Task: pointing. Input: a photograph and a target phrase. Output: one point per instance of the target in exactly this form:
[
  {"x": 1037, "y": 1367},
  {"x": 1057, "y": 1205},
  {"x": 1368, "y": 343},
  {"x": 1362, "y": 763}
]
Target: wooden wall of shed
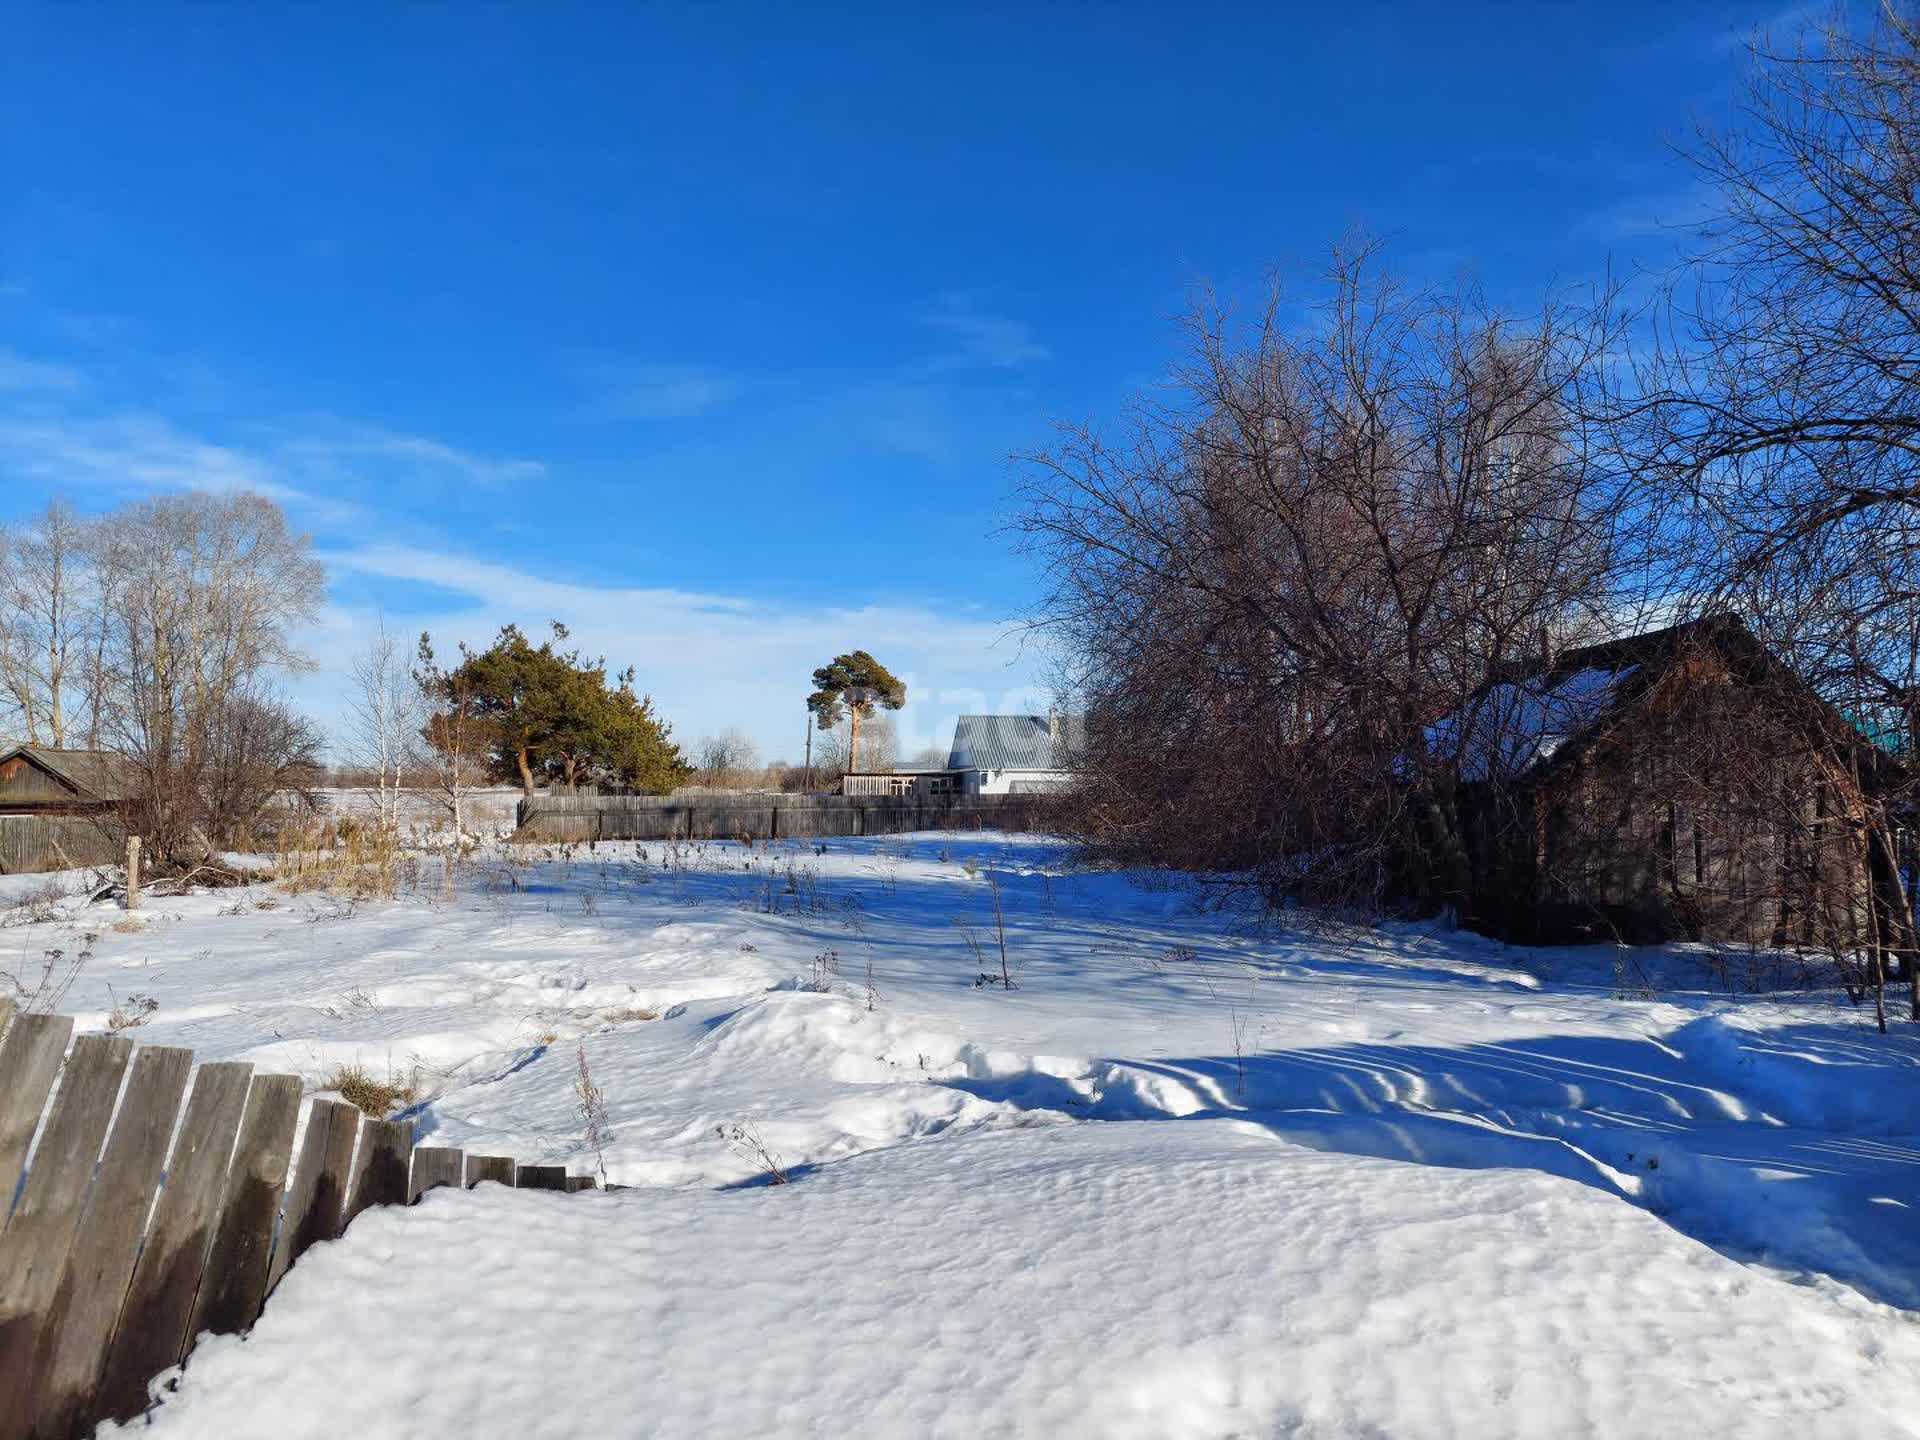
[
  {"x": 1704, "y": 814},
  {"x": 23, "y": 783},
  {"x": 30, "y": 844}
]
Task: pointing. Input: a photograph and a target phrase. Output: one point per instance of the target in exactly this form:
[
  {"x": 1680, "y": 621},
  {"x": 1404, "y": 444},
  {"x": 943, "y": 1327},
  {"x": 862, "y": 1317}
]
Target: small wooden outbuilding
[
  {"x": 60, "y": 809},
  {"x": 1679, "y": 784}
]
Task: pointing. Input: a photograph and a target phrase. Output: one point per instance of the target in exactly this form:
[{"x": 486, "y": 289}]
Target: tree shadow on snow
[{"x": 1796, "y": 1146}]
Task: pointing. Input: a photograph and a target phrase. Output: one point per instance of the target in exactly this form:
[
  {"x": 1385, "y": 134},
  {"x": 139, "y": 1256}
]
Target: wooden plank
[
  {"x": 235, "y": 1280},
  {"x": 151, "y": 1333},
  {"x": 319, "y": 1190},
  {"x": 541, "y": 1177},
  {"x": 380, "y": 1173},
  {"x": 6, "y": 1010},
  {"x": 73, "y": 1339},
  {"x": 498, "y": 1168},
  {"x": 433, "y": 1166},
  {"x": 29, "y": 1059},
  {"x": 581, "y": 1182},
  {"x": 33, "y": 1250}
]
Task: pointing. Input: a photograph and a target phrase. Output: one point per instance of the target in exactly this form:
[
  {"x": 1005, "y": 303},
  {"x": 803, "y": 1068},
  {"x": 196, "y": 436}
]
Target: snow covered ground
[{"x": 1192, "y": 1176}]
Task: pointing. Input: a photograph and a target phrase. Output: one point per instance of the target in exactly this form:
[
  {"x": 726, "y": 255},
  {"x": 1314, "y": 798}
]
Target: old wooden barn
[
  {"x": 59, "y": 809},
  {"x": 1679, "y": 784}
]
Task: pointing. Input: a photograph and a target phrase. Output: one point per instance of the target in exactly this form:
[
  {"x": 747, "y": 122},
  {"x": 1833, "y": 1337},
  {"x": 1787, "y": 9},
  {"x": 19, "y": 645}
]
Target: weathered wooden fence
[
  {"x": 33, "y": 843},
  {"x": 118, "y": 1249},
  {"x": 563, "y": 817}
]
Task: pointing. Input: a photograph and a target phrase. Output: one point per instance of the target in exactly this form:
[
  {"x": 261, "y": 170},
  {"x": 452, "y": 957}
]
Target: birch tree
[{"x": 385, "y": 716}]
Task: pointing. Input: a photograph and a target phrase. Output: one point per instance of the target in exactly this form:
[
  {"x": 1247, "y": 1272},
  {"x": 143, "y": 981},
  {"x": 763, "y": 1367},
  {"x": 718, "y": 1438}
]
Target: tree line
[{"x": 158, "y": 632}]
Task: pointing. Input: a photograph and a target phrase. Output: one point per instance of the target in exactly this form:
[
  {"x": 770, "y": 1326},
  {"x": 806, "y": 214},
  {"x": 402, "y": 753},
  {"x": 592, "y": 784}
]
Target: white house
[{"x": 1013, "y": 754}]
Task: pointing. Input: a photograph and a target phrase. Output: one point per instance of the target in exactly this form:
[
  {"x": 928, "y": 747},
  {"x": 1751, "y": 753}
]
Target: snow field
[{"x": 1193, "y": 1176}]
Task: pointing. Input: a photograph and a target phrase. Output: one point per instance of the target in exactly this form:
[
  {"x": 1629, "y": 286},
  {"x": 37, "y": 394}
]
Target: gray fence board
[
  {"x": 498, "y": 1168},
  {"x": 33, "y": 1248},
  {"x": 31, "y": 844},
  {"x": 29, "y": 1060},
  {"x": 567, "y": 818},
  {"x": 541, "y": 1177},
  {"x": 318, "y": 1194},
  {"x": 128, "y": 1240},
  {"x": 151, "y": 1334},
  {"x": 235, "y": 1281},
  {"x": 380, "y": 1175},
  {"x": 73, "y": 1339},
  {"x": 433, "y": 1166}
]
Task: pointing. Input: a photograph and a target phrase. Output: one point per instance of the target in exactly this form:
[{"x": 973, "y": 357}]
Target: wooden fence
[
  {"x": 769, "y": 816},
  {"x": 31, "y": 843},
  {"x": 117, "y": 1250}
]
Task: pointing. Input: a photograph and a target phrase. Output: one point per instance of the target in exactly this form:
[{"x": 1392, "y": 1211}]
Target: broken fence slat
[
  {"x": 319, "y": 1190},
  {"x": 29, "y": 1060},
  {"x": 151, "y": 1333},
  {"x": 434, "y": 1166},
  {"x": 33, "y": 1248},
  {"x": 498, "y": 1168},
  {"x": 73, "y": 1339},
  {"x": 380, "y": 1174},
  {"x": 235, "y": 1281},
  {"x": 541, "y": 1177}
]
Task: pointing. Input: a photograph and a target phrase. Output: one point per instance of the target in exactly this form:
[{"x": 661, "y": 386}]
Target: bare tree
[
  {"x": 726, "y": 758},
  {"x": 1777, "y": 417},
  {"x": 203, "y": 593},
  {"x": 385, "y": 715},
  {"x": 1275, "y": 581},
  {"x": 456, "y": 736},
  {"x": 51, "y": 628}
]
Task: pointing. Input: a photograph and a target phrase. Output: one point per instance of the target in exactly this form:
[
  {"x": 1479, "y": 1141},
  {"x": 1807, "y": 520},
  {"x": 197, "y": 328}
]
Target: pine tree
[{"x": 854, "y": 682}]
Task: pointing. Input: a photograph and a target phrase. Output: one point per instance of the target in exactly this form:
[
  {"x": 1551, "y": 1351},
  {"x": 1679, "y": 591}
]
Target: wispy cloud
[
  {"x": 662, "y": 392},
  {"x": 711, "y": 660},
  {"x": 17, "y": 372},
  {"x": 1672, "y": 213},
  {"x": 132, "y": 451},
  {"x": 344, "y": 444},
  {"x": 985, "y": 339},
  {"x": 57, "y": 429}
]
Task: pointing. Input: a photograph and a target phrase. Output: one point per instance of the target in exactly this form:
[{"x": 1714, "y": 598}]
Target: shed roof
[
  {"x": 1013, "y": 742},
  {"x": 1535, "y": 714},
  {"x": 94, "y": 774}
]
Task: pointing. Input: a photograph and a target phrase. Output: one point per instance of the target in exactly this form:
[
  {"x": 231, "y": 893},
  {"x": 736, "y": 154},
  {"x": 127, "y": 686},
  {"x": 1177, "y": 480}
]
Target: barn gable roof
[
  {"x": 92, "y": 774},
  {"x": 1533, "y": 716},
  {"x": 1012, "y": 742}
]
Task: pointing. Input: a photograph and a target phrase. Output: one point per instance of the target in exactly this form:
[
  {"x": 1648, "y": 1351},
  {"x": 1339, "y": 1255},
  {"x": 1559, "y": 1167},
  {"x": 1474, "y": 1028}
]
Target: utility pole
[{"x": 809, "y": 748}]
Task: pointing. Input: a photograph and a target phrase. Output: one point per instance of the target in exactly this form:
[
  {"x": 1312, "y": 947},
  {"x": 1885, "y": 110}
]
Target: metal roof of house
[
  {"x": 95, "y": 774},
  {"x": 1012, "y": 742}
]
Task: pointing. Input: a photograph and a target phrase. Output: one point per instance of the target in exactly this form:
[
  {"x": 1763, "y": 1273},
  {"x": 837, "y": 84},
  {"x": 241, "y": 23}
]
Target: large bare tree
[
  {"x": 1275, "y": 580},
  {"x": 385, "y": 713},
  {"x": 52, "y": 628},
  {"x": 204, "y": 593},
  {"x": 1776, "y": 416}
]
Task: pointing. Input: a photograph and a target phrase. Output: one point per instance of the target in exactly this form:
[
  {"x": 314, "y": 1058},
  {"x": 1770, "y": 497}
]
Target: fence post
[{"x": 133, "y": 872}]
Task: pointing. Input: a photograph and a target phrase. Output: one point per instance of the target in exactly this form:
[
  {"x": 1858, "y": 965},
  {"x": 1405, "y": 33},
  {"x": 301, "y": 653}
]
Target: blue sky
[{"x": 709, "y": 330}]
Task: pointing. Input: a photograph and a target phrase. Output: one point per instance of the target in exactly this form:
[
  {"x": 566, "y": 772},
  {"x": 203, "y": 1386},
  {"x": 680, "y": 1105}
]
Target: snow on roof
[
  {"x": 1510, "y": 727},
  {"x": 1011, "y": 742}
]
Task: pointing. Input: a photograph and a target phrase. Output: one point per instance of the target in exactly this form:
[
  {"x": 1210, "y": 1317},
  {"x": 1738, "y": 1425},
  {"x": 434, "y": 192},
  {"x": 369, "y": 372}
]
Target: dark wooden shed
[
  {"x": 60, "y": 809},
  {"x": 1679, "y": 784}
]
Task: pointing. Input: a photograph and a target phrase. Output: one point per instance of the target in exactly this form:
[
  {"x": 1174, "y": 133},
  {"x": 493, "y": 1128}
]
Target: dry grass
[
  {"x": 132, "y": 1012},
  {"x": 347, "y": 858},
  {"x": 372, "y": 1097}
]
